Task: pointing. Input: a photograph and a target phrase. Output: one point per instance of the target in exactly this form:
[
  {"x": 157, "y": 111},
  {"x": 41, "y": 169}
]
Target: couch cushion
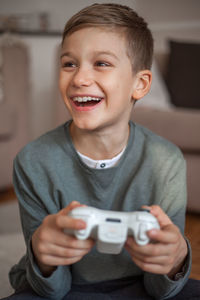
[
  {"x": 180, "y": 126},
  {"x": 158, "y": 96},
  {"x": 193, "y": 175},
  {"x": 183, "y": 74}
]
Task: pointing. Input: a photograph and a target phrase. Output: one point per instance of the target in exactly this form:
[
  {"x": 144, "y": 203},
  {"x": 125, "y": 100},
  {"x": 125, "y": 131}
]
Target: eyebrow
[
  {"x": 106, "y": 53},
  {"x": 66, "y": 54},
  {"x": 109, "y": 53}
]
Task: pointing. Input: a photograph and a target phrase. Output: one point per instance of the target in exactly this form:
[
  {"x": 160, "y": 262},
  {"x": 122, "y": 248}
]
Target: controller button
[
  {"x": 82, "y": 232},
  {"x": 142, "y": 232},
  {"x": 102, "y": 165},
  {"x": 112, "y": 232},
  {"x": 116, "y": 233}
]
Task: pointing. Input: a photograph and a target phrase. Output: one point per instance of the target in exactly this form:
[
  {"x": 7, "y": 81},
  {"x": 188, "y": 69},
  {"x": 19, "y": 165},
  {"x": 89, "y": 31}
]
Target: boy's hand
[
  {"x": 52, "y": 247},
  {"x": 167, "y": 255}
]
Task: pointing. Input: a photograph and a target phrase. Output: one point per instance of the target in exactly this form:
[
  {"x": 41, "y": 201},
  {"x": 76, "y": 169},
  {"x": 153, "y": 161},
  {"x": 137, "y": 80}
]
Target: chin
[{"x": 87, "y": 125}]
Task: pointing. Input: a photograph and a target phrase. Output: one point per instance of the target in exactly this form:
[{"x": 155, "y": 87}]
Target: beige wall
[{"x": 171, "y": 19}]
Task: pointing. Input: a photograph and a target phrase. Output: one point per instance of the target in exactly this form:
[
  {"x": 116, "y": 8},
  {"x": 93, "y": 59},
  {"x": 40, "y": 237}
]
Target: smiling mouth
[{"x": 86, "y": 101}]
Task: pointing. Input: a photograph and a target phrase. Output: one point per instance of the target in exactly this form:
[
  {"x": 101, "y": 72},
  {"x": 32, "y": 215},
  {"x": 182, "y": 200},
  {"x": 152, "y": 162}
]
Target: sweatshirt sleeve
[
  {"x": 165, "y": 287},
  {"x": 173, "y": 202},
  {"x": 55, "y": 286},
  {"x": 34, "y": 207}
]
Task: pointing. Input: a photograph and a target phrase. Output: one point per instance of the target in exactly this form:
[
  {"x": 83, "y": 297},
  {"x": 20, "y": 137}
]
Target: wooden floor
[{"x": 192, "y": 232}]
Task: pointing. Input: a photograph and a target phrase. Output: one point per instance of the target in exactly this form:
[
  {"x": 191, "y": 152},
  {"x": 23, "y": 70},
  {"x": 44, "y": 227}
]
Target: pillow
[
  {"x": 183, "y": 74},
  {"x": 158, "y": 96}
]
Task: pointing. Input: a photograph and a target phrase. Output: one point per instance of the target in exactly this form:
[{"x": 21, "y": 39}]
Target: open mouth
[{"x": 86, "y": 101}]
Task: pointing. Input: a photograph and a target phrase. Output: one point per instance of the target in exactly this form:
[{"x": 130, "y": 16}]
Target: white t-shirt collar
[{"x": 101, "y": 164}]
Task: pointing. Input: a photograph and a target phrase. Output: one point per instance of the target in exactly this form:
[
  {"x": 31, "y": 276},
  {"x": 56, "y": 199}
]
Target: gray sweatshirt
[{"x": 49, "y": 174}]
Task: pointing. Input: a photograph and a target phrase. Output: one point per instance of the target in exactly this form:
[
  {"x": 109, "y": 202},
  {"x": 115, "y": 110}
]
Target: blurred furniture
[
  {"x": 14, "y": 91},
  {"x": 177, "y": 124},
  {"x": 12, "y": 243},
  {"x": 182, "y": 127}
]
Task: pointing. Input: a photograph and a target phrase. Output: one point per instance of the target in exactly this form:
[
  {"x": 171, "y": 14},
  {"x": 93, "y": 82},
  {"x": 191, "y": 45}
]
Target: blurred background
[
  {"x": 30, "y": 35},
  {"x": 36, "y": 26},
  {"x": 39, "y": 24},
  {"x": 30, "y": 104}
]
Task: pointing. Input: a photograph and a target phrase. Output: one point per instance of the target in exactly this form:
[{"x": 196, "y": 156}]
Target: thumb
[
  {"x": 70, "y": 207},
  {"x": 159, "y": 214}
]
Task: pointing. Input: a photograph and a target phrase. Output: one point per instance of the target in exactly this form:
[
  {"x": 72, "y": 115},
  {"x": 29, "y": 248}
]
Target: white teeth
[{"x": 85, "y": 99}]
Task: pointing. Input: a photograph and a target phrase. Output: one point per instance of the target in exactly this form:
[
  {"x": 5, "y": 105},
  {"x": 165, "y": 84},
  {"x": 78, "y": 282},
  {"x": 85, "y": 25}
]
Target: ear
[{"x": 142, "y": 84}]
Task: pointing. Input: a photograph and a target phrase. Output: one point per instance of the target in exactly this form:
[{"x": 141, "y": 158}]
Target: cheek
[
  {"x": 111, "y": 85},
  {"x": 121, "y": 89},
  {"x": 61, "y": 82},
  {"x": 119, "y": 83}
]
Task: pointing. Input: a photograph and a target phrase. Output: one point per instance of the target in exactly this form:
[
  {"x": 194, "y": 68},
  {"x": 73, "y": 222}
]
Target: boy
[{"x": 101, "y": 159}]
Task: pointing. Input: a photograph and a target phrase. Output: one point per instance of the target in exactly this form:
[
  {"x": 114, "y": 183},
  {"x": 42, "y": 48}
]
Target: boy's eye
[
  {"x": 68, "y": 64},
  {"x": 102, "y": 64}
]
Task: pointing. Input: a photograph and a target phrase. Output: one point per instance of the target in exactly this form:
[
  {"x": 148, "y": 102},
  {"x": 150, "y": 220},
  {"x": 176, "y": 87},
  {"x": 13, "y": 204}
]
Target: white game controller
[{"x": 110, "y": 228}]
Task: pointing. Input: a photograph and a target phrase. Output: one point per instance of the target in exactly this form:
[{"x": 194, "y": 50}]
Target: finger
[
  {"x": 152, "y": 257},
  {"x": 160, "y": 260},
  {"x": 149, "y": 250},
  {"x": 66, "y": 222},
  {"x": 65, "y": 252},
  {"x": 60, "y": 261},
  {"x": 151, "y": 267},
  {"x": 74, "y": 243},
  {"x": 160, "y": 215},
  {"x": 62, "y": 239},
  {"x": 169, "y": 234},
  {"x": 158, "y": 263}
]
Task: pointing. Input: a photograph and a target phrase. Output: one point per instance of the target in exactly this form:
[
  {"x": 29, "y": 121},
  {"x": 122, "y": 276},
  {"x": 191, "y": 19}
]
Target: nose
[{"x": 82, "y": 77}]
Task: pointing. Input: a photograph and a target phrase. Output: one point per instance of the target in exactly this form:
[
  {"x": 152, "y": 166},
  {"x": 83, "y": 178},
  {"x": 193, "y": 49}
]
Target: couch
[
  {"x": 180, "y": 125},
  {"x": 178, "y": 120},
  {"x": 14, "y": 95}
]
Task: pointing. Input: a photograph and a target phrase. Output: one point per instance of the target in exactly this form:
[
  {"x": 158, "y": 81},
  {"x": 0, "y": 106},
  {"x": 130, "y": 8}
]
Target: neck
[{"x": 100, "y": 145}]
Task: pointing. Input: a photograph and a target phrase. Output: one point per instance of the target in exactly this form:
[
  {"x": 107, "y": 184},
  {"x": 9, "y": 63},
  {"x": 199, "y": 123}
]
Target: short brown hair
[{"x": 115, "y": 16}]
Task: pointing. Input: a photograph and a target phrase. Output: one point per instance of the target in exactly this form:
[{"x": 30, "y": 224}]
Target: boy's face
[{"x": 96, "y": 78}]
